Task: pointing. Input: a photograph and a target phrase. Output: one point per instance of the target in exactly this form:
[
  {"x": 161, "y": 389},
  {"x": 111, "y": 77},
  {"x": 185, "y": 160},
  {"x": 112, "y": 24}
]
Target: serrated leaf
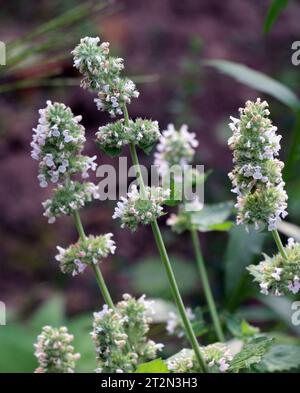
[
  {"x": 280, "y": 358},
  {"x": 155, "y": 366},
  {"x": 212, "y": 216},
  {"x": 273, "y": 12},
  {"x": 258, "y": 81},
  {"x": 251, "y": 353}
]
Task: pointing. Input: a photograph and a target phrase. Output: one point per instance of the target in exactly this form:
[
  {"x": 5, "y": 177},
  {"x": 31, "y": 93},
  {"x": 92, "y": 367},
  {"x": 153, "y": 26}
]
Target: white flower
[{"x": 175, "y": 148}]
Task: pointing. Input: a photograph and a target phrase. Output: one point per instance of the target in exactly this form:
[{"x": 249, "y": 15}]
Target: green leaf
[
  {"x": 149, "y": 276},
  {"x": 199, "y": 325},
  {"x": 280, "y": 358},
  {"x": 212, "y": 217},
  {"x": 251, "y": 353},
  {"x": 241, "y": 248},
  {"x": 155, "y": 366},
  {"x": 283, "y": 308},
  {"x": 273, "y": 12},
  {"x": 240, "y": 328},
  {"x": 147, "y": 148},
  {"x": 50, "y": 313},
  {"x": 258, "y": 81},
  {"x": 110, "y": 151}
]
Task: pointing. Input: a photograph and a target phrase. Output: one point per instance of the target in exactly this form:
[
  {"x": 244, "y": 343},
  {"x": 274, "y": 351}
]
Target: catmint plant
[
  {"x": 102, "y": 75},
  {"x": 57, "y": 145},
  {"x": 177, "y": 148},
  {"x": 261, "y": 197}
]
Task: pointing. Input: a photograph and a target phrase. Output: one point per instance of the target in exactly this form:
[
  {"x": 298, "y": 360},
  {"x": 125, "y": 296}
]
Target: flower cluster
[
  {"x": 120, "y": 338},
  {"x": 68, "y": 198},
  {"x": 89, "y": 251},
  {"x": 54, "y": 351},
  {"x": 256, "y": 177},
  {"x": 58, "y": 141},
  {"x": 140, "y": 209},
  {"x": 175, "y": 148},
  {"x": 174, "y": 324},
  {"x": 217, "y": 357},
  {"x": 101, "y": 73},
  {"x": 142, "y": 132},
  {"x": 277, "y": 275}
]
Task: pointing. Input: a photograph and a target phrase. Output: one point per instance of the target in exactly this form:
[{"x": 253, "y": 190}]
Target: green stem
[
  {"x": 206, "y": 286},
  {"x": 279, "y": 244},
  {"x": 176, "y": 294},
  {"x": 96, "y": 269},
  {"x": 166, "y": 262}
]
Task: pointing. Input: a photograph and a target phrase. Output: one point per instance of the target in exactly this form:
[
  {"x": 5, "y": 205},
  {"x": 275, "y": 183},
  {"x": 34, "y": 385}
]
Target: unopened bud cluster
[
  {"x": 54, "y": 351},
  {"x": 140, "y": 208},
  {"x": 101, "y": 73},
  {"x": 277, "y": 275},
  {"x": 256, "y": 177},
  {"x": 120, "y": 336},
  {"x": 87, "y": 252},
  {"x": 141, "y": 132}
]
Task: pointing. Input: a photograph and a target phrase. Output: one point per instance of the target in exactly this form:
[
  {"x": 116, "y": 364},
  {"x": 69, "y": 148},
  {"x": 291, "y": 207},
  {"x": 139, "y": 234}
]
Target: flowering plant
[{"x": 120, "y": 330}]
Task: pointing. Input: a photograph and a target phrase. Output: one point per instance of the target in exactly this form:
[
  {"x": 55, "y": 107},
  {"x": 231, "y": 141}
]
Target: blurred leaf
[
  {"x": 149, "y": 276},
  {"x": 240, "y": 328},
  {"x": 212, "y": 217},
  {"x": 258, "y": 81},
  {"x": 280, "y": 358},
  {"x": 81, "y": 327},
  {"x": 241, "y": 248},
  {"x": 273, "y": 12},
  {"x": 251, "y": 353},
  {"x": 199, "y": 325},
  {"x": 16, "y": 354},
  {"x": 155, "y": 366},
  {"x": 283, "y": 308},
  {"x": 50, "y": 313},
  {"x": 110, "y": 151},
  {"x": 289, "y": 230}
]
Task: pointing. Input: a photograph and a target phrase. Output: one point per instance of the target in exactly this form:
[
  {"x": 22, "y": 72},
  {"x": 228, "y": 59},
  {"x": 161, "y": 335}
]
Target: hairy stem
[
  {"x": 279, "y": 244},
  {"x": 96, "y": 269},
  {"x": 206, "y": 285},
  {"x": 166, "y": 262}
]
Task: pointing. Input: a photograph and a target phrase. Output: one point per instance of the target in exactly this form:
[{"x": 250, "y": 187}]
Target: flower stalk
[
  {"x": 98, "y": 274},
  {"x": 206, "y": 286},
  {"x": 166, "y": 262}
]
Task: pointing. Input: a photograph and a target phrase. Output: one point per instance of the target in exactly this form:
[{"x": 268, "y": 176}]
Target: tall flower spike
[
  {"x": 101, "y": 73},
  {"x": 86, "y": 252},
  {"x": 277, "y": 275},
  {"x": 175, "y": 148},
  {"x": 140, "y": 209},
  {"x": 58, "y": 141},
  {"x": 256, "y": 176},
  {"x": 54, "y": 351}
]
